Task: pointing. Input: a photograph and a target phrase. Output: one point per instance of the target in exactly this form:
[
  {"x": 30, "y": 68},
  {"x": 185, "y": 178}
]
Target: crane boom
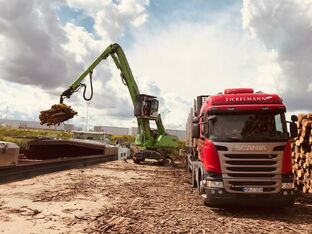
[
  {"x": 145, "y": 106},
  {"x": 120, "y": 60}
]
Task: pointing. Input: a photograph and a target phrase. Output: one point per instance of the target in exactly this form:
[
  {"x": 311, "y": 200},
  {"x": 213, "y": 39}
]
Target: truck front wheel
[
  {"x": 200, "y": 188},
  {"x": 207, "y": 203}
]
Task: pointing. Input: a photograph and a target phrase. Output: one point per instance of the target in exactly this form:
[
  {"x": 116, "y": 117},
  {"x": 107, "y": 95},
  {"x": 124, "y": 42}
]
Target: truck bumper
[{"x": 219, "y": 197}]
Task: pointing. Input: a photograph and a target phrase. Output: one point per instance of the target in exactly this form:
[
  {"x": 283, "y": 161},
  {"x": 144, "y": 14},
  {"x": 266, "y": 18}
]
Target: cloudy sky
[{"x": 177, "y": 49}]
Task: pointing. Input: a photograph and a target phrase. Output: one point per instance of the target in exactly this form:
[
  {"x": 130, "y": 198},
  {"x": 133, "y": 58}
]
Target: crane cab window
[{"x": 146, "y": 106}]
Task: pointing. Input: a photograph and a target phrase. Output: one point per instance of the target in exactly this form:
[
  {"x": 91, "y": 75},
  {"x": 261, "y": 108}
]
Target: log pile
[
  {"x": 56, "y": 115},
  {"x": 302, "y": 154}
]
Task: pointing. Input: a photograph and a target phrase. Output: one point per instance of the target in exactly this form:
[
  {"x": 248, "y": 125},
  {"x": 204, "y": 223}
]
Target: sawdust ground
[{"x": 121, "y": 197}]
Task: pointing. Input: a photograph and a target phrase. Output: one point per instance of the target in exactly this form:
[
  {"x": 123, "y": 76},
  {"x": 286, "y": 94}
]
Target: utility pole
[
  {"x": 6, "y": 115},
  {"x": 87, "y": 115},
  {"x": 82, "y": 122}
]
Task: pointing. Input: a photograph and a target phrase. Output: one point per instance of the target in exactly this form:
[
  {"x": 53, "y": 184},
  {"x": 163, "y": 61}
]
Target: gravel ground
[{"x": 120, "y": 197}]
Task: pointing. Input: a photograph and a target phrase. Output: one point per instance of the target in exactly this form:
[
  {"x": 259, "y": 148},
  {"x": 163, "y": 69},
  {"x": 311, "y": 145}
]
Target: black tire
[
  {"x": 194, "y": 183},
  {"x": 200, "y": 189},
  {"x": 161, "y": 163},
  {"x": 289, "y": 204},
  {"x": 207, "y": 203},
  {"x": 136, "y": 161},
  {"x": 164, "y": 162},
  {"x": 188, "y": 166}
]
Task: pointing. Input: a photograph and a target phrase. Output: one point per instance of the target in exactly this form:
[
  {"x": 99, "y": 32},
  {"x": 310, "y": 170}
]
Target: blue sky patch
[
  {"x": 166, "y": 12},
  {"x": 75, "y": 16}
]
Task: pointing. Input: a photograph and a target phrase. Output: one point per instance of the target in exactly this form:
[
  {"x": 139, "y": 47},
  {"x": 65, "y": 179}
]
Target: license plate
[{"x": 252, "y": 190}]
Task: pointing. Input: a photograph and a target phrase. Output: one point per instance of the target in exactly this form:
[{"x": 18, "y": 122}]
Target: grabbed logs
[{"x": 57, "y": 114}]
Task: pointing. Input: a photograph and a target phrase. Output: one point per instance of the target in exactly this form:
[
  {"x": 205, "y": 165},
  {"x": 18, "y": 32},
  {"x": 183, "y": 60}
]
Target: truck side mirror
[
  {"x": 293, "y": 129},
  {"x": 294, "y": 118},
  {"x": 195, "y": 130}
]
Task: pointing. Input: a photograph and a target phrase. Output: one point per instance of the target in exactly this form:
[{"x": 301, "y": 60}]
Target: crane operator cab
[{"x": 146, "y": 107}]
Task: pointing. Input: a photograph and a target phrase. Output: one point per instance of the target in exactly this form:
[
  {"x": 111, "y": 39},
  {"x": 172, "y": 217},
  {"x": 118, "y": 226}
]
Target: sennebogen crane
[{"x": 152, "y": 144}]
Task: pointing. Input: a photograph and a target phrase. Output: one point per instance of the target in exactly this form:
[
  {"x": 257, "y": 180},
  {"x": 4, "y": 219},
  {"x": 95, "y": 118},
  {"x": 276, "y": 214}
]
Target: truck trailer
[{"x": 239, "y": 150}]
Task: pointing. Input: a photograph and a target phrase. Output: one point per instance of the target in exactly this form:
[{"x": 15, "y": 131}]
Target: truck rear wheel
[
  {"x": 194, "y": 183},
  {"x": 188, "y": 165},
  {"x": 200, "y": 188}
]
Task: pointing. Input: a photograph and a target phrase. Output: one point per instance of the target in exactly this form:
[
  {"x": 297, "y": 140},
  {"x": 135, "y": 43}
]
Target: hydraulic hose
[{"x": 85, "y": 88}]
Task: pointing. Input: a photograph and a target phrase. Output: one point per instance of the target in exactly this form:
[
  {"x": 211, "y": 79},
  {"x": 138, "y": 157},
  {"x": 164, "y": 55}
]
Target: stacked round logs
[
  {"x": 56, "y": 115},
  {"x": 302, "y": 154}
]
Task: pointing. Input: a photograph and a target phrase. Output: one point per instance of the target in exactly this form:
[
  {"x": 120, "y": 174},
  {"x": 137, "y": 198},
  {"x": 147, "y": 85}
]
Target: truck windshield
[{"x": 248, "y": 127}]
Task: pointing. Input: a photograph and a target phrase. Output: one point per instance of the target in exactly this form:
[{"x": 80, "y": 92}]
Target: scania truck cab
[{"x": 241, "y": 151}]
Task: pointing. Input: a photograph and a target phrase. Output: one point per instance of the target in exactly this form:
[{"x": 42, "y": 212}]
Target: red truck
[{"x": 239, "y": 149}]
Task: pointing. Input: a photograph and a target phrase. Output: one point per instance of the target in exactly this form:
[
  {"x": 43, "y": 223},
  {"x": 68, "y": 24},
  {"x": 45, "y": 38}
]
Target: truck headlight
[
  {"x": 212, "y": 184},
  {"x": 288, "y": 185}
]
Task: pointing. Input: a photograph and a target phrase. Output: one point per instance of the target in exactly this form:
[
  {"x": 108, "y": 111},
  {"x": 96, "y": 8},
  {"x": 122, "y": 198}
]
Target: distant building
[
  {"x": 133, "y": 131},
  {"x": 181, "y": 134},
  {"x": 112, "y": 130}
]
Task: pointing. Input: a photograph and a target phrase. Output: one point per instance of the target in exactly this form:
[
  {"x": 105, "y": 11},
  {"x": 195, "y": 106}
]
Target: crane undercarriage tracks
[{"x": 29, "y": 170}]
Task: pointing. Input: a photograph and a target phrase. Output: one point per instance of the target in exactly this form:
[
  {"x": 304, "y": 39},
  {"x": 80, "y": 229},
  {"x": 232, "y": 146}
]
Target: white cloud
[
  {"x": 111, "y": 102},
  {"x": 174, "y": 62},
  {"x": 31, "y": 45},
  {"x": 38, "y": 52},
  {"x": 284, "y": 28},
  {"x": 23, "y": 101},
  {"x": 187, "y": 60},
  {"x": 113, "y": 18}
]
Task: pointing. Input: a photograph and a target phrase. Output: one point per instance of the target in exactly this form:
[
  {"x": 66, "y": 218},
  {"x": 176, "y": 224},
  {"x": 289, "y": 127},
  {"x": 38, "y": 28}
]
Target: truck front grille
[
  {"x": 246, "y": 164},
  {"x": 244, "y": 171},
  {"x": 247, "y": 175},
  {"x": 250, "y": 156}
]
